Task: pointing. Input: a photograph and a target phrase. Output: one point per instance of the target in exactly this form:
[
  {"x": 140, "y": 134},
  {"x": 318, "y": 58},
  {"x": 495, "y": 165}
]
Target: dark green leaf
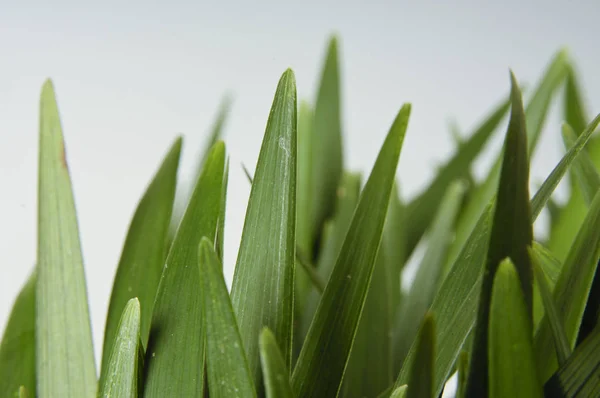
[
  {"x": 275, "y": 371},
  {"x": 324, "y": 355},
  {"x": 175, "y": 353},
  {"x": 420, "y": 383},
  {"x": 65, "y": 364},
  {"x": 122, "y": 367},
  {"x": 262, "y": 293},
  {"x": 144, "y": 253},
  {"x": 227, "y": 368},
  {"x": 17, "y": 350},
  {"x": 511, "y": 235},
  {"x": 511, "y": 362}
]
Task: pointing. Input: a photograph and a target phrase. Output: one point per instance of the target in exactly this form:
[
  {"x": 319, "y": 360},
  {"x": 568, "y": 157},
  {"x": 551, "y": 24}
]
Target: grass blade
[
  {"x": 571, "y": 290},
  {"x": 463, "y": 371},
  {"x": 399, "y": 392},
  {"x": 222, "y": 213},
  {"x": 122, "y": 367},
  {"x": 144, "y": 253},
  {"x": 175, "y": 354},
  {"x": 17, "y": 350},
  {"x": 586, "y": 174},
  {"x": 227, "y": 368},
  {"x": 550, "y": 269},
  {"x": 304, "y": 227},
  {"x": 263, "y": 283},
  {"x": 510, "y": 337},
  {"x": 511, "y": 235},
  {"x": 64, "y": 352},
  {"x": 420, "y": 384},
  {"x": 574, "y": 110},
  {"x": 275, "y": 371},
  {"x": 322, "y": 361}
]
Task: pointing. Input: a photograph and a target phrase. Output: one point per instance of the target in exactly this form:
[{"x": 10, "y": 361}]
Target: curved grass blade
[
  {"x": 580, "y": 375},
  {"x": 563, "y": 349},
  {"x": 429, "y": 273},
  {"x": 122, "y": 366},
  {"x": 144, "y": 253},
  {"x": 586, "y": 174},
  {"x": 262, "y": 292},
  {"x": 511, "y": 235},
  {"x": 571, "y": 290},
  {"x": 175, "y": 354},
  {"x": 421, "y": 210},
  {"x": 65, "y": 364},
  {"x": 17, "y": 350},
  {"x": 275, "y": 371},
  {"x": 227, "y": 368},
  {"x": 399, "y": 392},
  {"x": 324, "y": 355},
  {"x": 511, "y": 360},
  {"x": 420, "y": 384}
]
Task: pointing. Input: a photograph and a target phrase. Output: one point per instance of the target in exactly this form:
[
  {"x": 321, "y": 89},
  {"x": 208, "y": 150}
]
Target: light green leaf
[
  {"x": 571, "y": 290},
  {"x": 511, "y": 235},
  {"x": 463, "y": 371},
  {"x": 227, "y": 368},
  {"x": 511, "y": 362},
  {"x": 17, "y": 350},
  {"x": 421, "y": 210},
  {"x": 585, "y": 171},
  {"x": 399, "y": 392},
  {"x": 262, "y": 292},
  {"x": 64, "y": 352},
  {"x": 550, "y": 267},
  {"x": 420, "y": 383},
  {"x": 574, "y": 110},
  {"x": 175, "y": 352},
  {"x": 304, "y": 227},
  {"x": 144, "y": 253},
  {"x": 22, "y": 392},
  {"x": 275, "y": 371},
  {"x": 322, "y": 361},
  {"x": 429, "y": 274},
  {"x": 122, "y": 367},
  {"x": 222, "y": 213}
]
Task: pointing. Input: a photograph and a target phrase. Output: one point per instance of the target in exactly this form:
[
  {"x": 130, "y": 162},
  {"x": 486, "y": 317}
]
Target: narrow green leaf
[
  {"x": 122, "y": 367},
  {"x": 222, "y": 213},
  {"x": 275, "y": 371},
  {"x": 322, "y": 361},
  {"x": 262, "y": 292},
  {"x": 550, "y": 267},
  {"x": 421, "y": 210},
  {"x": 563, "y": 349},
  {"x": 463, "y": 370},
  {"x": 22, "y": 392},
  {"x": 580, "y": 375},
  {"x": 17, "y": 350},
  {"x": 571, "y": 290},
  {"x": 304, "y": 228},
  {"x": 511, "y": 235},
  {"x": 399, "y": 392},
  {"x": 511, "y": 362},
  {"x": 574, "y": 110},
  {"x": 429, "y": 273},
  {"x": 584, "y": 169},
  {"x": 227, "y": 368},
  {"x": 420, "y": 384},
  {"x": 175, "y": 354},
  {"x": 144, "y": 253},
  {"x": 65, "y": 364}
]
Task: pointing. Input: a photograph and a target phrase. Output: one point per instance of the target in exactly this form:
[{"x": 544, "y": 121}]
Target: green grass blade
[
  {"x": 580, "y": 375},
  {"x": 274, "y": 368},
  {"x": 574, "y": 110},
  {"x": 550, "y": 268},
  {"x": 399, "y": 392},
  {"x": 227, "y": 368},
  {"x": 263, "y": 283},
  {"x": 304, "y": 227},
  {"x": 322, "y": 361},
  {"x": 23, "y": 392},
  {"x": 175, "y": 354},
  {"x": 429, "y": 273},
  {"x": 222, "y": 213},
  {"x": 511, "y": 235},
  {"x": 571, "y": 290},
  {"x": 463, "y": 371},
  {"x": 586, "y": 174},
  {"x": 122, "y": 367},
  {"x": 563, "y": 349},
  {"x": 144, "y": 253},
  {"x": 17, "y": 349},
  {"x": 420, "y": 383},
  {"x": 421, "y": 210},
  {"x": 64, "y": 352},
  {"x": 511, "y": 361}
]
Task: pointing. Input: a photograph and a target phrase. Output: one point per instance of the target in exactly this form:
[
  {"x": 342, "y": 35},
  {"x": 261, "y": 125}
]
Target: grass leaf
[
  {"x": 65, "y": 364},
  {"x": 550, "y": 268},
  {"x": 275, "y": 370},
  {"x": 322, "y": 360},
  {"x": 122, "y": 367},
  {"x": 227, "y": 368},
  {"x": 399, "y": 392},
  {"x": 144, "y": 253},
  {"x": 511, "y": 362},
  {"x": 262, "y": 293},
  {"x": 17, "y": 349},
  {"x": 175, "y": 354},
  {"x": 586, "y": 174},
  {"x": 463, "y": 372},
  {"x": 420, "y": 384}
]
